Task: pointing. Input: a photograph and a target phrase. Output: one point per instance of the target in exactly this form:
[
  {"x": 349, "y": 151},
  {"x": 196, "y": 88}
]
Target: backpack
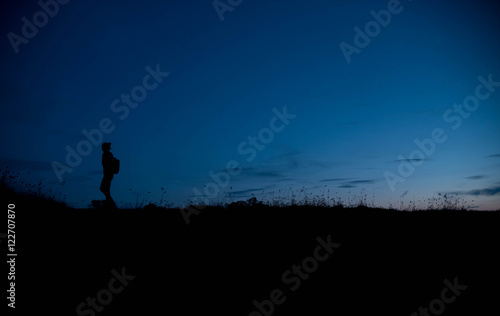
[{"x": 116, "y": 166}]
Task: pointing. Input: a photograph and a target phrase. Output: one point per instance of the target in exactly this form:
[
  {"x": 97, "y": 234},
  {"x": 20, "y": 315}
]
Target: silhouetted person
[{"x": 107, "y": 165}]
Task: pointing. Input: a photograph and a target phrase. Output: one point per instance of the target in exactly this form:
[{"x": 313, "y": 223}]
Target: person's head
[{"x": 106, "y": 147}]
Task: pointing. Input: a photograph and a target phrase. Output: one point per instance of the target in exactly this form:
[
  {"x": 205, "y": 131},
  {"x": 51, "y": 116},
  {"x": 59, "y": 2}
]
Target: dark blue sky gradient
[{"x": 353, "y": 120}]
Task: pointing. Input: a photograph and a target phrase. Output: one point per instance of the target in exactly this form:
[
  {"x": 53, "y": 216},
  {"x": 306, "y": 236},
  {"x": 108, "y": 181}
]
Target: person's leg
[
  {"x": 106, "y": 187},
  {"x": 109, "y": 199},
  {"x": 103, "y": 186}
]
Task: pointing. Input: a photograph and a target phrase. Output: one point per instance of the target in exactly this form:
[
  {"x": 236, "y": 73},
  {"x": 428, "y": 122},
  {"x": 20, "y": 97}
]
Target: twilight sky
[{"x": 258, "y": 97}]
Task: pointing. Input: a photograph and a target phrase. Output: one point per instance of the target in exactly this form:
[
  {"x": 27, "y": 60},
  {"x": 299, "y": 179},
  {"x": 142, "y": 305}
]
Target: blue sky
[{"x": 354, "y": 122}]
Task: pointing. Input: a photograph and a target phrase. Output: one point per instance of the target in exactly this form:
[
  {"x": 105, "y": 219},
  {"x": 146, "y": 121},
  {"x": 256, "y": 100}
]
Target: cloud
[
  {"x": 355, "y": 183},
  {"x": 484, "y": 192},
  {"x": 294, "y": 160},
  {"x": 245, "y": 192},
  {"x": 266, "y": 174},
  {"x": 334, "y": 180},
  {"x": 478, "y": 177},
  {"x": 20, "y": 164},
  {"x": 260, "y": 172},
  {"x": 319, "y": 164},
  {"x": 493, "y": 156},
  {"x": 280, "y": 167},
  {"x": 361, "y": 182},
  {"x": 288, "y": 160},
  {"x": 411, "y": 160},
  {"x": 249, "y": 172}
]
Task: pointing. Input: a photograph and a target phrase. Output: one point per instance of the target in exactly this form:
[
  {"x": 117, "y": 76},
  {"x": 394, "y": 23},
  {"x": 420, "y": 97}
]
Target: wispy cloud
[
  {"x": 250, "y": 172},
  {"x": 260, "y": 172},
  {"x": 280, "y": 168},
  {"x": 411, "y": 160},
  {"x": 294, "y": 160},
  {"x": 265, "y": 174},
  {"x": 493, "y": 156},
  {"x": 334, "y": 180},
  {"x": 245, "y": 192},
  {"x": 356, "y": 183},
  {"x": 248, "y": 192},
  {"x": 485, "y": 192},
  {"x": 478, "y": 177},
  {"x": 362, "y": 182}
]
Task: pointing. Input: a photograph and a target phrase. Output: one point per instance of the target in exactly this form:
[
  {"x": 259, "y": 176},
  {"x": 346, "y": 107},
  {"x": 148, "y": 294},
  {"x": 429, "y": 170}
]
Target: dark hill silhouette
[{"x": 387, "y": 261}]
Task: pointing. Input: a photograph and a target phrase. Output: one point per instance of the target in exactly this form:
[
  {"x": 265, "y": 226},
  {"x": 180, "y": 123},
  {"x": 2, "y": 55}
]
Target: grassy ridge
[{"x": 231, "y": 256}]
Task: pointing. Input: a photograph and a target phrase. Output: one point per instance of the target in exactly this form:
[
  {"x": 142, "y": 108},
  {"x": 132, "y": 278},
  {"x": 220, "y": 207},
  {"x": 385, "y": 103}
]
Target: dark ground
[{"x": 388, "y": 262}]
